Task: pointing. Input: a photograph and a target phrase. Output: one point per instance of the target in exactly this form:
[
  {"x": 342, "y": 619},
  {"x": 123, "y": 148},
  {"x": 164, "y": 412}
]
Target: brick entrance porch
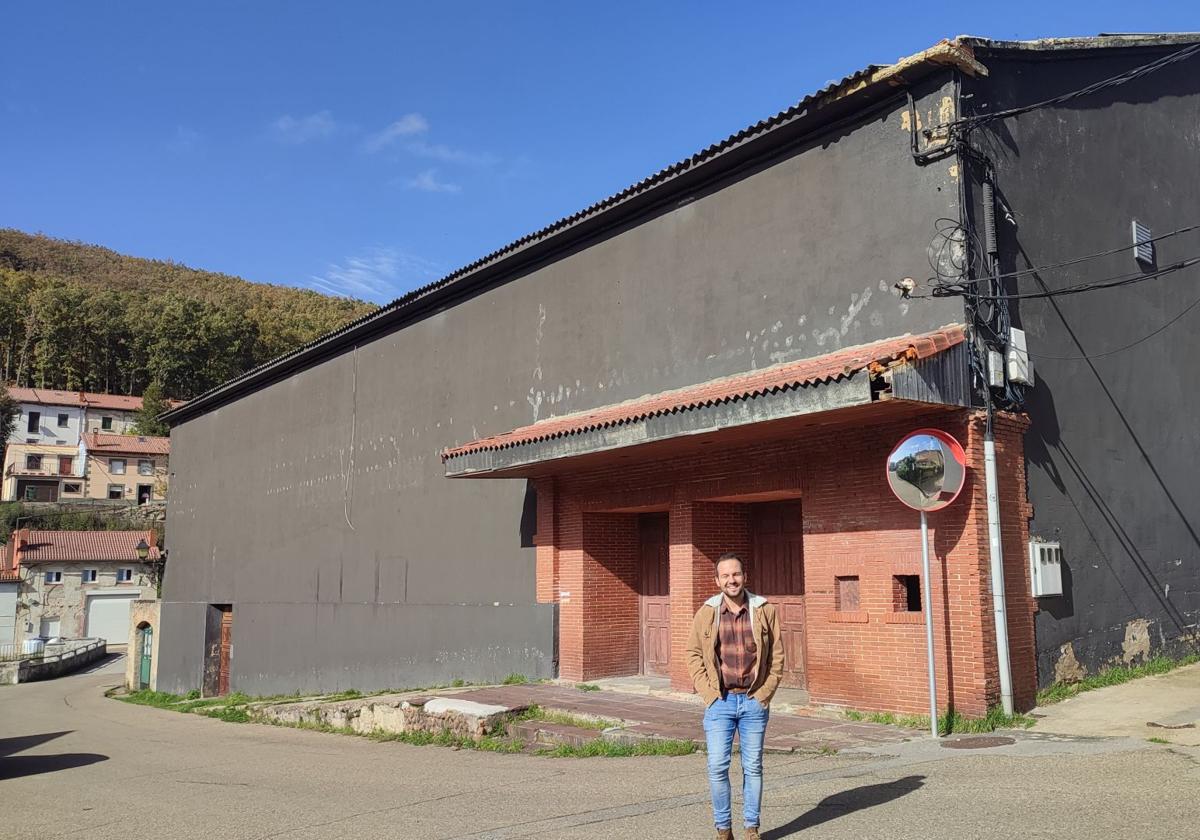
[
  {"x": 784, "y": 465},
  {"x": 858, "y": 636}
]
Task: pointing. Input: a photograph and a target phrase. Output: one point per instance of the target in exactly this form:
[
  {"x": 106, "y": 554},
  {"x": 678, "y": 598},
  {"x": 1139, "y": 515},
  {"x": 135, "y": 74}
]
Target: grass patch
[
  {"x": 587, "y": 687},
  {"x": 564, "y": 718},
  {"x": 1112, "y": 676},
  {"x": 1158, "y": 740},
  {"x": 146, "y": 697},
  {"x": 515, "y": 679},
  {"x": 951, "y": 723},
  {"x": 229, "y": 714},
  {"x": 604, "y": 748}
]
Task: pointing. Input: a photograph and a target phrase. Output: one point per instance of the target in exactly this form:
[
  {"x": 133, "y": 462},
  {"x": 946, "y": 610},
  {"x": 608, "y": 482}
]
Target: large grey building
[{"x": 720, "y": 356}]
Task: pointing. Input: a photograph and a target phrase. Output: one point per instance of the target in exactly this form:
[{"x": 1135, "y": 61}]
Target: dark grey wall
[
  {"x": 1113, "y": 449},
  {"x": 318, "y": 507}
]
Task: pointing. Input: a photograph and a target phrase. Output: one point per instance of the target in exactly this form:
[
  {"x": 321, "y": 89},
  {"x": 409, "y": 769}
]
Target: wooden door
[
  {"x": 777, "y": 571},
  {"x": 226, "y": 650},
  {"x": 654, "y": 594}
]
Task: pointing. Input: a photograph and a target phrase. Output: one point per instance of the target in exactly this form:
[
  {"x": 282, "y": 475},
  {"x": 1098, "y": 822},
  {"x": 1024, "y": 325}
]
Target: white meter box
[{"x": 1045, "y": 568}]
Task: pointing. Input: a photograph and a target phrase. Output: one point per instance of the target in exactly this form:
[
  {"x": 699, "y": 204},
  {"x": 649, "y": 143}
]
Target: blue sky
[{"x": 366, "y": 148}]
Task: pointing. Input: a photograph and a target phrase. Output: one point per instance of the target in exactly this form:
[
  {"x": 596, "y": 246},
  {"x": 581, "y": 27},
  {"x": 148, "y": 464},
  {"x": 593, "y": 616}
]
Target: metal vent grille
[{"x": 1143, "y": 247}]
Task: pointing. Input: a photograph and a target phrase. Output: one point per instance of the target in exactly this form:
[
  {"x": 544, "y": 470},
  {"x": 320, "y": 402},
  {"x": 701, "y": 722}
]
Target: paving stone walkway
[{"x": 667, "y": 718}]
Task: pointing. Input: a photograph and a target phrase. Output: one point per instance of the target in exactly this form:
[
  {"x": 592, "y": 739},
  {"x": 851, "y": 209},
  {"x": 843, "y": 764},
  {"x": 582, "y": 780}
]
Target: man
[{"x": 736, "y": 661}]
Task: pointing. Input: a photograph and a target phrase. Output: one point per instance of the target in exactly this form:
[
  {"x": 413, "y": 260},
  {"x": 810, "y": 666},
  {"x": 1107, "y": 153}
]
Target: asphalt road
[{"x": 75, "y": 764}]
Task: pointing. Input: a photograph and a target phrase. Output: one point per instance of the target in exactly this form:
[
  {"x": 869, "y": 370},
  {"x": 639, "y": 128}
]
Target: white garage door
[
  {"x": 108, "y": 618},
  {"x": 8, "y": 612}
]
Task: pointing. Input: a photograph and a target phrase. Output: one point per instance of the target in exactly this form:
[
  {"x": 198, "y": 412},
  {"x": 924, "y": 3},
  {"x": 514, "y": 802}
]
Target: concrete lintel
[{"x": 792, "y": 402}]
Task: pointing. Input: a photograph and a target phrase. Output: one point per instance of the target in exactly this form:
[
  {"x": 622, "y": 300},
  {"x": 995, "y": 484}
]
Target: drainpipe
[{"x": 995, "y": 548}]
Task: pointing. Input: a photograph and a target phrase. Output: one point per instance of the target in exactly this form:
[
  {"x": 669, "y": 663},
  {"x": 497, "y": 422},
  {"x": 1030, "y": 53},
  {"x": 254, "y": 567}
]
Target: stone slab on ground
[
  {"x": 1169, "y": 700},
  {"x": 651, "y": 716},
  {"x": 461, "y": 717}
]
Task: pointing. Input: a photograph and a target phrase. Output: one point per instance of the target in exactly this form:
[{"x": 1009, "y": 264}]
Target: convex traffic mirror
[{"x": 927, "y": 469}]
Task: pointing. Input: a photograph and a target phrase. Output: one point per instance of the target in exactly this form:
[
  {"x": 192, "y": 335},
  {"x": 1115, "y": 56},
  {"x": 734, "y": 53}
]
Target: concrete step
[{"x": 552, "y": 734}]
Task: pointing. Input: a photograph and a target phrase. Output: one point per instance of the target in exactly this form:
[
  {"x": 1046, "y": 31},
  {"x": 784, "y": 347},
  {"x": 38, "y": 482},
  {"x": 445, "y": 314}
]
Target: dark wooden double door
[{"x": 776, "y": 571}]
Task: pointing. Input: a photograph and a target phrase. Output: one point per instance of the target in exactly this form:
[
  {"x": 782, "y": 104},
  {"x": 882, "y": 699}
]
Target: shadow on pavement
[
  {"x": 101, "y": 664},
  {"x": 8, "y": 746},
  {"x": 33, "y": 765},
  {"x": 847, "y": 802}
]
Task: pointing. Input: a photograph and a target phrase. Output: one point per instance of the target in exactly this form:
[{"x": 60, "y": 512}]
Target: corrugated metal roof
[
  {"x": 817, "y": 370},
  {"x": 34, "y": 547},
  {"x": 99, "y": 443}
]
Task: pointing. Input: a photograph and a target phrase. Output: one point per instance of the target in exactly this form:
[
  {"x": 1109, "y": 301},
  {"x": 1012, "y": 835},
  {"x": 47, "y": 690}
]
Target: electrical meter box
[{"x": 1045, "y": 568}]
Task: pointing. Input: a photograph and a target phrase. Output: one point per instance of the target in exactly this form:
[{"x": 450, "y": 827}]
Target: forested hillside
[{"x": 81, "y": 317}]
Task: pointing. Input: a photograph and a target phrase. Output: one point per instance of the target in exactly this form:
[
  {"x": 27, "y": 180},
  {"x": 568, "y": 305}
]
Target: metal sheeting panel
[{"x": 944, "y": 378}]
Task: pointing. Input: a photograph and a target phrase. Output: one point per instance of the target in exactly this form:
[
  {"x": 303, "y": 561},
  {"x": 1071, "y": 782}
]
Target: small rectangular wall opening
[
  {"x": 906, "y": 593},
  {"x": 846, "y": 593}
]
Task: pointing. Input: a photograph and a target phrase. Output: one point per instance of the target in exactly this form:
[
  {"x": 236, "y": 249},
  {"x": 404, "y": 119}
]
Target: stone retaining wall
[{"x": 58, "y": 660}]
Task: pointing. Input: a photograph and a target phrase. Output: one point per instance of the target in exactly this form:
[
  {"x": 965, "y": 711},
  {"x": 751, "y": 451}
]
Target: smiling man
[{"x": 735, "y": 661}]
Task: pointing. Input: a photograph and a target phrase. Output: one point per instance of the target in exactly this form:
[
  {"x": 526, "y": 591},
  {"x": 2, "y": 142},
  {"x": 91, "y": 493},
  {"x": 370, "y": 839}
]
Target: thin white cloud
[
  {"x": 378, "y": 275},
  {"x": 185, "y": 140},
  {"x": 446, "y": 154},
  {"x": 427, "y": 181},
  {"x": 407, "y": 126},
  {"x": 299, "y": 130}
]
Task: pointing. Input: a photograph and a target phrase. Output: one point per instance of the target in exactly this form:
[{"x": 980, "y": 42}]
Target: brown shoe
[
  {"x": 724, "y": 834},
  {"x": 752, "y": 833}
]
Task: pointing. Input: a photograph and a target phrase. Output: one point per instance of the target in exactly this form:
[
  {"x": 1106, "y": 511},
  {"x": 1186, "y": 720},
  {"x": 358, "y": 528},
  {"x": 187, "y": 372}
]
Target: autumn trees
[{"x": 79, "y": 317}]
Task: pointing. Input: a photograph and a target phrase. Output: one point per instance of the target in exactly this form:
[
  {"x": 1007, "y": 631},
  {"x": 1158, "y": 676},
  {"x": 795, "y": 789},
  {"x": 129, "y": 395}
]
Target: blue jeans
[{"x": 735, "y": 713}]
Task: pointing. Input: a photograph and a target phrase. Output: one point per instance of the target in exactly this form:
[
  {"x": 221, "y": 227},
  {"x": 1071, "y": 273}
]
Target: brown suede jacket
[{"x": 702, "y": 650}]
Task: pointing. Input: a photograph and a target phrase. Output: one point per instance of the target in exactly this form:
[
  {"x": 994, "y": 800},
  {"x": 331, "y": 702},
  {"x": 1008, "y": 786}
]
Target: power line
[
  {"x": 960, "y": 290},
  {"x": 1112, "y": 81},
  {"x": 1129, "y": 346},
  {"x": 946, "y": 233}
]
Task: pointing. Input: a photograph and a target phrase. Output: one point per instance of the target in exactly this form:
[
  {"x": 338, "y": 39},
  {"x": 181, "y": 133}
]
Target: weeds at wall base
[
  {"x": 1112, "y": 676},
  {"x": 951, "y": 723}
]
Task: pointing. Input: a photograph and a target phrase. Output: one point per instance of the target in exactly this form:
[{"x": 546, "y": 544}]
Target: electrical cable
[
  {"x": 1065, "y": 263},
  {"x": 1107, "y": 283},
  {"x": 1129, "y": 346},
  {"x": 1112, "y": 81}
]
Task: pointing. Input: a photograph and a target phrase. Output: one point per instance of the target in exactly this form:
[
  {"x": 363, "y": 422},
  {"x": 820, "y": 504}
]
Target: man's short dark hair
[{"x": 731, "y": 555}]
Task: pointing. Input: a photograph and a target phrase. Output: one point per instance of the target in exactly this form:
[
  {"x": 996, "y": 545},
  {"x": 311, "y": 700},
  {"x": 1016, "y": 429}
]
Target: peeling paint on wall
[
  {"x": 1137, "y": 641},
  {"x": 1067, "y": 669}
]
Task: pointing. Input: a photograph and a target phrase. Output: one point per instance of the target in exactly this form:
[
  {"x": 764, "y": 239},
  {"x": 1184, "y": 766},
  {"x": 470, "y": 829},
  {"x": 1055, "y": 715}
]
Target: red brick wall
[
  {"x": 873, "y": 658},
  {"x": 700, "y": 533},
  {"x": 547, "y": 542}
]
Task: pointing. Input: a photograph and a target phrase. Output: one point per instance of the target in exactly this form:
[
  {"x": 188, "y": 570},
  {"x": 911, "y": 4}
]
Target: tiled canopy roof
[
  {"x": 78, "y": 546},
  {"x": 827, "y": 368},
  {"x": 99, "y": 443}
]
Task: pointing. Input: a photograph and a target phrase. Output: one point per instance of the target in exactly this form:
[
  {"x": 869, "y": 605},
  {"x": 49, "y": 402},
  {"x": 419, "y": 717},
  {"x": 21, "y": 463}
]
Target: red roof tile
[
  {"x": 78, "y": 546},
  {"x": 100, "y": 443},
  {"x": 827, "y": 368},
  {"x": 78, "y": 399}
]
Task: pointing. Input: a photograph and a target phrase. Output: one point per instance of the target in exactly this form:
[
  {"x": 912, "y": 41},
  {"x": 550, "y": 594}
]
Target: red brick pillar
[
  {"x": 700, "y": 533},
  {"x": 546, "y": 568},
  {"x": 571, "y": 572}
]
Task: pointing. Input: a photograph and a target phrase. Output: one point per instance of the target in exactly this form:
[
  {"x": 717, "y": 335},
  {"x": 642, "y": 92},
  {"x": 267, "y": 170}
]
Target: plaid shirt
[{"x": 735, "y": 647}]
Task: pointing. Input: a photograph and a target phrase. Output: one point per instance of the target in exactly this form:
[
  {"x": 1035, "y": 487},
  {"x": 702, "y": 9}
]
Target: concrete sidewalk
[
  {"x": 664, "y": 717},
  {"x": 1166, "y": 707}
]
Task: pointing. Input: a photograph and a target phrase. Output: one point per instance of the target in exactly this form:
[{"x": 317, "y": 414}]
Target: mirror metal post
[{"x": 926, "y": 471}]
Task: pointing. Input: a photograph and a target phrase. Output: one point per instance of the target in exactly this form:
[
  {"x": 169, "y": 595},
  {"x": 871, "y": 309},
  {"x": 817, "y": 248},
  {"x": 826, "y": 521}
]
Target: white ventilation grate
[{"x": 1143, "y": 247}]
